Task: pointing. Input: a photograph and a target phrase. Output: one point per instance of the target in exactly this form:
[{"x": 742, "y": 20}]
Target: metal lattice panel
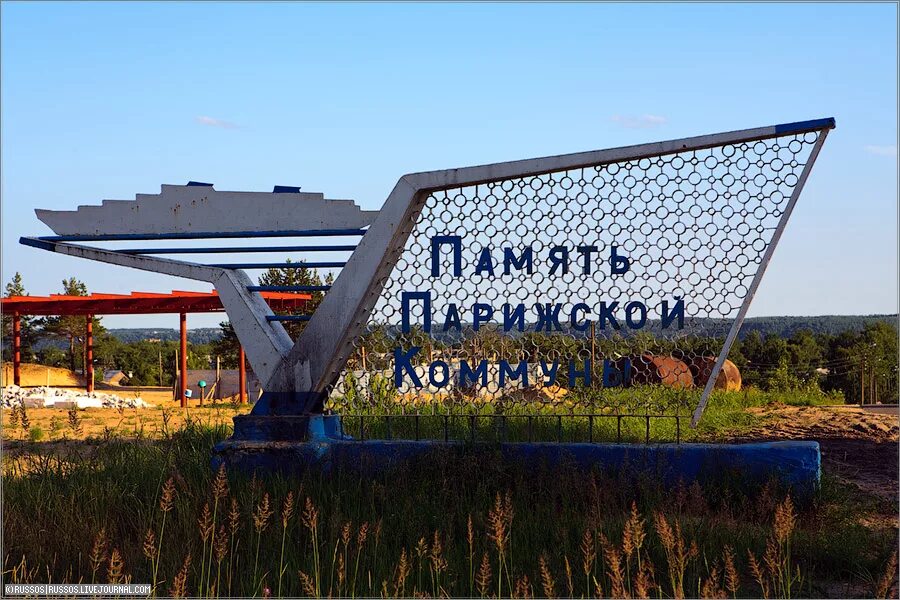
[{"x": 694, "y": 226}]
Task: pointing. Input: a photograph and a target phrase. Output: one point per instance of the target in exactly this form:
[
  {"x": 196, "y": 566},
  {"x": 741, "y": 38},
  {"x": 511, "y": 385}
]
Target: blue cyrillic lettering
[
  {"x": 574, "y": 320},
  {"x": 559, "y": 259},
  {"x": 405, "y": 298},
  {"x": 548, "y": 317},
  {"x": 677, "y": 312},
  {"x": 403, "y": 362},
  {"x": 466, "y": 373},
  {"x": 585, "y": 252},
  {"x": 606, "y": 314},
  {"x": 526, "y": 260},
  {"x": 432, "y": 372},
  {"x": 550, "y": 372},
  {"x": 481, "y": 313},
  {"x": 618, "y": 264},
  {"x": 521, "y": 372},
  {"x": 513, "y": 315},
  {"x": 630, "y": 308},
  {"x": 485, "y": 263},
  {"x": 455, "y": 243}
]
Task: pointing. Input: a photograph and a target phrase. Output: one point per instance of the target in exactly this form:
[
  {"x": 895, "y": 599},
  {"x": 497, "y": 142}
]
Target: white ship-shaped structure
[{"x": 198, "y": 208}]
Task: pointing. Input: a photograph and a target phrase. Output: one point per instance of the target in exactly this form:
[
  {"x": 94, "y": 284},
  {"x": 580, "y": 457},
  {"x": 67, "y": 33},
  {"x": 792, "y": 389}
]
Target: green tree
[
  {"x": 52, "y": 356},
  {"x": 293, "y": 276},
  {"x": 859, "y": 359},
  {"x": 805, "y": 356},
  {"x": 228, "y": 345},
  {"x": 764, "y": 358},
  {"x": 71, "y": 328},
  {"x": 29, "y": 332}
]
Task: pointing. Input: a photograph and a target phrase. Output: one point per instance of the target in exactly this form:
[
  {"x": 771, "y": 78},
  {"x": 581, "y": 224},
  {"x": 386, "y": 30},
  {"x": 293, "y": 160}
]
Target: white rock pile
[{"x": 41, "y": 397}]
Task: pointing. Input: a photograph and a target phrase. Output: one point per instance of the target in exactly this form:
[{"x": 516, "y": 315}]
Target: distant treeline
[
  {"x": 825, "y": 325},
  {"x": 781, "y": 326},
  {"x": 200, "y": 335}
]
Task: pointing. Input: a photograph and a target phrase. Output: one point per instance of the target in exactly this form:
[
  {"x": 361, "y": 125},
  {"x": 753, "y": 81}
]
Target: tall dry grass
[{"x": 457, "y": 524}]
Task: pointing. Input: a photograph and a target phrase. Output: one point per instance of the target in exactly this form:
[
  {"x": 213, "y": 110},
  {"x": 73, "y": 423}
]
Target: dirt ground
[
  {"x": 34, "y": 375},
  {"x": 165, "y": 415},
  {"x": 858, "y": 446}
]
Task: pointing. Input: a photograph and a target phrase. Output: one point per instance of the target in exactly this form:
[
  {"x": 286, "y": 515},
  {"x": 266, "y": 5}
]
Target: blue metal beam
[
  {"x": 237, "y": 249},
  {"x": 280, "y": 265},
  {"x": 201, "y": 235},
  {"x": 804, "y": 126},
  {"x": 288, "y": 288}
]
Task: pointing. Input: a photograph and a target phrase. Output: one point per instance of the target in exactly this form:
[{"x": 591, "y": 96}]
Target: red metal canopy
[{"x": 136, "y": 303}]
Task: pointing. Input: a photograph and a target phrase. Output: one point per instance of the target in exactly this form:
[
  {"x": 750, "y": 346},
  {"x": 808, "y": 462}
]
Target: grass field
[
  {"x": 144, "y": 506},
  {"x": 456, "y": 525},
  {"x": 613, "y": 418},
  {"x": 617, "y": 419}
]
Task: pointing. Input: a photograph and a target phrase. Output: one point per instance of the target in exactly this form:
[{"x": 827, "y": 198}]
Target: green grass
[
  {"x": 652, "y": 414},
  {"x": 546, "y": 512}
]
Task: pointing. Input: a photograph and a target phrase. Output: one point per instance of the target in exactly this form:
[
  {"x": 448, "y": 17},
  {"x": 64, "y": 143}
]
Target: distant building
[
  {"x": 227, "y": 386},
  {"x": 114, "y": 377}
]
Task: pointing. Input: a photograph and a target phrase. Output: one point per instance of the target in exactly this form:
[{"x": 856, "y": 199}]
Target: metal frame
[
  {"x": 325, "y": 344},
  {"x": 237, "y": 249},
  {"x": 767, "y": 256},
  {"x": 304, "y": 369},
  {"x": 281, "y": 265}
]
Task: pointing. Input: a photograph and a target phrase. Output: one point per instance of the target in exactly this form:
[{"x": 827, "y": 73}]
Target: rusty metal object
[
  {"x": 729, "y": 378},
  {"x": 652, "y": 369}
]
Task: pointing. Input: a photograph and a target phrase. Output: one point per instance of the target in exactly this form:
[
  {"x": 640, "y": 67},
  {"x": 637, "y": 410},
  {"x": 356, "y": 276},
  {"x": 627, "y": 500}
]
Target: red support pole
[
  {"x": 182, "y": 395},
  {"x": 17, "y": 349},
  {"x": 242, "y": 376},
  {"x": 89, "y": 353}
]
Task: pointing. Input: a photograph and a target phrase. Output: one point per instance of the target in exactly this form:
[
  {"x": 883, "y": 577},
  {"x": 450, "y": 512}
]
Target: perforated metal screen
[{"x": 691, "y": 227}]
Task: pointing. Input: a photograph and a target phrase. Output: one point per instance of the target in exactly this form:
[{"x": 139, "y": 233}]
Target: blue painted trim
[
  {"x": 794, "y": 463},
  {"x": 37, "y": 243},
  {"x": 198, "y": 184},
  {"x": 286, "y": 189},
  {"x": 237, "y": 249},
  {"x": 116, "y": 237},
  {"x": 288, "y": 317},
  {"x": 279, "y": 265},
  {"x": 288, "y": 288},
  {"x": 802, "y": 126}
]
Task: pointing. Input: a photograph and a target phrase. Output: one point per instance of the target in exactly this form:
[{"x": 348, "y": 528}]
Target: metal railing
[{"x": 527, "y": 428}]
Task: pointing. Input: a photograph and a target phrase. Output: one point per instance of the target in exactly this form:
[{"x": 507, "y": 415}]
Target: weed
[
  {"x": 452, "y": 524},
  {"x": 75, "y": 422}
]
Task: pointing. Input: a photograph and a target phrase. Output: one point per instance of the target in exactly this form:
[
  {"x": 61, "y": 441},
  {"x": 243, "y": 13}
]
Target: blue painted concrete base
[{"x": 794, "y": 463}]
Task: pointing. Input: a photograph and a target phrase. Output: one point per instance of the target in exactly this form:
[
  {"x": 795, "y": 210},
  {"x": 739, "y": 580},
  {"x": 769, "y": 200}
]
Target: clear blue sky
[{"x": 106, "y": 100}]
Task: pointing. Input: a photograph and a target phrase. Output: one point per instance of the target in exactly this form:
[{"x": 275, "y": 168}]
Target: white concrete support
[{"x": 266, "y": 343}]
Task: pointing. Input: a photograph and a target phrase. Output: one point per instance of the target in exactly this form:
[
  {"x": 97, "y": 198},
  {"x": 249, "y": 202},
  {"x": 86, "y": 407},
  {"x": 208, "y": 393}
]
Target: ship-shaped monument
[{"x": 718, "y": 202}]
